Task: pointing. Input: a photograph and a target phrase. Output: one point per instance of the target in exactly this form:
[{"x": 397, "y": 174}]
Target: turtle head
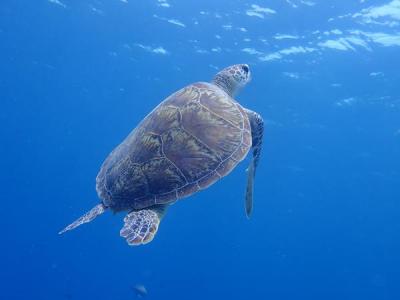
[{"x": 233, "y": 78}]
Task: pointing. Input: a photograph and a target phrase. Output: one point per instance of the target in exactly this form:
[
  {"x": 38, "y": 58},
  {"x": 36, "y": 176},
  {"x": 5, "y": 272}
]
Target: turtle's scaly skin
[{"x": 188, "y": 142}]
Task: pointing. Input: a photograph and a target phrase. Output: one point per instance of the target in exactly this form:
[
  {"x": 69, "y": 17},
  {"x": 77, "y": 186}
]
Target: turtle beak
[
  {"x": 248, "y": 75},
  {"x": 246, "y": 68}
]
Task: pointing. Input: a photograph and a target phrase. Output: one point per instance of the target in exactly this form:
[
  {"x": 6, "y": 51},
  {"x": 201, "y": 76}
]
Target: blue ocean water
[{"x": 77, "y": 76}]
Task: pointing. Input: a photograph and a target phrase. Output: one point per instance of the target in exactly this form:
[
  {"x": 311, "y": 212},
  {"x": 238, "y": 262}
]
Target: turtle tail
[{"x": 89, "y": 216}]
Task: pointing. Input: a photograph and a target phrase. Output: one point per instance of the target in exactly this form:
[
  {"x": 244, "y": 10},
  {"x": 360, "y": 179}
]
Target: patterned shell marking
[{"x": 188, "y": 142}]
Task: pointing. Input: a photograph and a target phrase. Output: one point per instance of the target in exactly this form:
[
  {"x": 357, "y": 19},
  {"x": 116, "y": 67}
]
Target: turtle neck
[{"x": 226, "y": 85}]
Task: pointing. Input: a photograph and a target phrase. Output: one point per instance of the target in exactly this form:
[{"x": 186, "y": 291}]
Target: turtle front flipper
[
  {"x": 89, "y": 216},
  {"x": 249, "y": 189},
  {"x": 141, "y": 225},
  {"x": 257, "y": 132}
]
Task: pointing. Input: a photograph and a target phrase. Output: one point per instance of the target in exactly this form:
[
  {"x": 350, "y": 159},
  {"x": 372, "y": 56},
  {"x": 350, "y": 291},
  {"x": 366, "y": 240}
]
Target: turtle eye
[{"x": 245, "y": 68}]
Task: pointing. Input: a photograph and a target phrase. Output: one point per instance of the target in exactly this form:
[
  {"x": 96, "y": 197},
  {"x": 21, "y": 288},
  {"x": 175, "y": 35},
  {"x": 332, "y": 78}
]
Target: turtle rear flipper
[
  {"x": 141, "y": 225},
  {"x": 89, "y": 216}
]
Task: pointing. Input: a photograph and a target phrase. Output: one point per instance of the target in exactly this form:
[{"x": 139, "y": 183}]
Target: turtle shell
[{"x": 192, "y": 139}]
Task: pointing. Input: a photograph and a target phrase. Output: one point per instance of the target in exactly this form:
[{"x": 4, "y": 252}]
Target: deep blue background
[{"x": 74, "y": 82}]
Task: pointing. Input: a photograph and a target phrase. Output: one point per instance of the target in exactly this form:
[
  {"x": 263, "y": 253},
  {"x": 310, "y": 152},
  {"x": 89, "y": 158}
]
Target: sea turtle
[{"x": 188, "y": 142}]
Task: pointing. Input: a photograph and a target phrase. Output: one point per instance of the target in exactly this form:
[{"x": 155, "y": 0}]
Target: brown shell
[{"x": 188, "y": 142}]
